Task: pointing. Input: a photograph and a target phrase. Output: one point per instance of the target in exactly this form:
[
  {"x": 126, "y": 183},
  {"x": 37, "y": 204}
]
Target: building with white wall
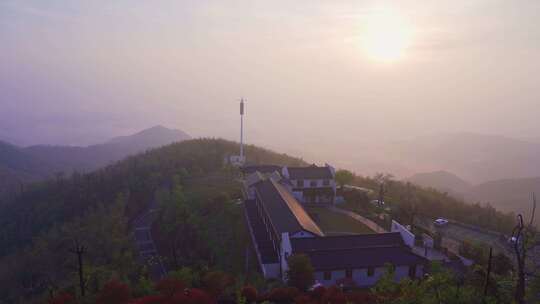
[
  {"x": 310, "y": 185},
  {"x": 280, "y": 227},
  {"x": 359, "y": 260}
]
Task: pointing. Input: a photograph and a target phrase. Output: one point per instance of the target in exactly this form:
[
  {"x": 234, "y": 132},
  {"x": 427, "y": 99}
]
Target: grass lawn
[{"x": 335, "y": 223}]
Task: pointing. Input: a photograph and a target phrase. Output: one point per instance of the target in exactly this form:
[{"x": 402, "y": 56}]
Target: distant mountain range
[
  {"x": 20, "y": 165},
  {"x": 441, "y": 180},
  {"x": 474, "y": 157},
  {"x": 509, "y": 195}
]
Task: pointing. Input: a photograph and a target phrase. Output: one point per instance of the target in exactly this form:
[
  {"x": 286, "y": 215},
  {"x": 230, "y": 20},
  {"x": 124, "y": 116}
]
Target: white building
[
  {"x": 312, "y": 184},
  {"x": 280, "y": 227},
  {"x": 309, "y": 185}
]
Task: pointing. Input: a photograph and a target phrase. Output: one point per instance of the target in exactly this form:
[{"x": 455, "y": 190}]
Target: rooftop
[
  {"x": 285, "y": 212},
  {"x": 310, "y": 172},
  {"x": 391, "y": 239},
  {"x": 356, "y": 251},
  {"x": 249, "y": 169}
]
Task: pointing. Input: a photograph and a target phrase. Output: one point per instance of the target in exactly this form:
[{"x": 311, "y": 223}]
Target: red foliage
[
  {"x": 359, "y": 297},
  {"x": 63, "y": 298},
  {"x": 250, "y": 293},
  {"x": 192, "y": 296},
  {"x": 216, "y": 282},
  {"x": 334, "y": 295},
  {"x": 169, "y": 286},
  {"x": 304, "y": 299},
  {"x": 151, "y": 300},
  {"x": 281, "y": 295},
  {"x": 320, "y": 295},
  {"x": 114, "y": 292},
  {"x": 187, "y": 296},
  {"x": 319, "y": 292}
]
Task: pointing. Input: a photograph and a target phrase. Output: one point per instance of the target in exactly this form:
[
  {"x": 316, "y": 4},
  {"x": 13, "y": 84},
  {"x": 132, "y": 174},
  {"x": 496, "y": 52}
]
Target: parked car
[
  {"x": 512, "y": 240},
  {"x": 441, "y": 222},
  {"x": 377, "y": 203}
]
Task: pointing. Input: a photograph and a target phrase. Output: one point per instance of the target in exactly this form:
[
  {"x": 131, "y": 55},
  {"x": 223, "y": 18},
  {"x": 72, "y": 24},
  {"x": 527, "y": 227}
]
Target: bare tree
[
  {"x": 521, "y": 237},
  {"x": 383, "y": 180},
  {"x": 79, "y": 250}
]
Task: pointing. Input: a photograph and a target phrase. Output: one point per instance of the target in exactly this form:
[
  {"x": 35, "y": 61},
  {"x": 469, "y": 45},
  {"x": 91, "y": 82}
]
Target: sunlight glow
[{"x": 385, "y": 35}]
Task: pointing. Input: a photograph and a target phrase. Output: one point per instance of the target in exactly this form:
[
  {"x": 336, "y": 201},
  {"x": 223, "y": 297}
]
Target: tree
[
  {"x": 62, "y": 298},
  {"x": 383, "y": 180},
  {"x": 114, "y": 292},
  {"x": 249, "y": 293},
  {"x": 301, "y": 273},
  {"x": 216, "y": 282},
  {"x": 502, "y": 264},
  {"x": 344, "y": 177},
  {"x": 186, "y": 275},
  {"x": 522, "y": 237},
  {"x": 168, "y": 287}
]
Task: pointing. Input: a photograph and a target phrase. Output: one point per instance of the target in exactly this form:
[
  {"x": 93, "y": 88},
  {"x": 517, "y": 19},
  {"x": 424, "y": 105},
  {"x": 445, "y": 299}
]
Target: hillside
[
  {"x": 187, "y": 180},
  {"x": 474, "y": 157},
  {"x": 441, "y": 180},
  {"x": 506, "y": 195},
  {"x": 20, "y": 165},
  {"x": 509, "y": 195},
  {"x": 199, "y": 222}
]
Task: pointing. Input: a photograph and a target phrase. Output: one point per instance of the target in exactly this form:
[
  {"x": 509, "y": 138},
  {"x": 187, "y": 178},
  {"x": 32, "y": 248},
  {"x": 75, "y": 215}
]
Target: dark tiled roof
[
  {"x": 348, "y": 241},
  {"x": 261, "y": 168},
  {"x": 363, "y": 258},
  {"x": 268, "y": 254},
  {"x": 285, "y": 212},
  {"x": 356, "y": 251},
  {"x": 310, "y": 172}
]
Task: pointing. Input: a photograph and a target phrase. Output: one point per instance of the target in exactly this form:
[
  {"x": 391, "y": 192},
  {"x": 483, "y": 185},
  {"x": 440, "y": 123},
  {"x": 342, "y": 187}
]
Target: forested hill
[
  {"x": 40, "y": 224},
  {"x": 199, "y": 223},
  {"x": 20, "y": 165}
]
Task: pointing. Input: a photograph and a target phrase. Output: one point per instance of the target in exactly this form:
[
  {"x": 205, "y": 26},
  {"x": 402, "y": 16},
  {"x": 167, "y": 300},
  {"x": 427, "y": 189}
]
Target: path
[
  {"x": 459, "y": 232},
  {"x": 369, "y": 223},
  {"x": 148, "y": 254}
]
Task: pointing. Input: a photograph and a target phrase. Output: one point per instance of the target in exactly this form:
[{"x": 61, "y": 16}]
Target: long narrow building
[{"x": 280, "y": 227}]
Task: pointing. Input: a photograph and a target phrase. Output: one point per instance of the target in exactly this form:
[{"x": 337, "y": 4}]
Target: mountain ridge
[{"x": 19, "y": 165}]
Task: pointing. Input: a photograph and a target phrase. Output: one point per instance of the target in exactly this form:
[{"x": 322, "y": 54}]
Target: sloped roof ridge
[{"x": 286, "y": 195}]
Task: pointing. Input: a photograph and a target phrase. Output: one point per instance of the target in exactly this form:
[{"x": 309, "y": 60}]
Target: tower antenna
[{"x": 242, "y": 129}]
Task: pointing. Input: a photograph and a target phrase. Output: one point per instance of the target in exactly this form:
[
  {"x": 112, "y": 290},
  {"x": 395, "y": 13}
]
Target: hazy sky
[{"x": 77, "y": 72}]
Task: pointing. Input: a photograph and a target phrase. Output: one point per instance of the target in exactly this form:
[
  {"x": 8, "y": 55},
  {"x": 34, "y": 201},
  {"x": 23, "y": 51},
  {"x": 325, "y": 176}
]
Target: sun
[{"x": 385, "y": 35}]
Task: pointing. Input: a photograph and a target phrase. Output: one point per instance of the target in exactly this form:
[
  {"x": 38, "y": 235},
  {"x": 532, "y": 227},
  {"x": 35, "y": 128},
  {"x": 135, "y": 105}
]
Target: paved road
[
  {"x": 461, "y": 232},
  {"x": 148, "y": 254}
]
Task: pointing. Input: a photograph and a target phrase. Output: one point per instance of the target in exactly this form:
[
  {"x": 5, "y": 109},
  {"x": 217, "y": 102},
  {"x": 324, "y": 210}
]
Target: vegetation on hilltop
[
  {"x": 199, "y": 230},
  {"x": 22, "y": 165},
  {"x": 408, "y": 200},
  {"x": 41, "y": 223}
]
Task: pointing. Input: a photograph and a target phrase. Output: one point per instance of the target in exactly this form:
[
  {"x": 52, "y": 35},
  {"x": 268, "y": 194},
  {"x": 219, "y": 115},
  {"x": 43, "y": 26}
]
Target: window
[
  {"x": 313, "y": 183},
  {"x": 412, "y": 271},
  {"x": 348, "y": 273},
  {"x": 370, "y": 271},
  {"x": 327, "y": 275},
  {"x": 300, "y": 183},
  {"x": 326, "y": 182}
]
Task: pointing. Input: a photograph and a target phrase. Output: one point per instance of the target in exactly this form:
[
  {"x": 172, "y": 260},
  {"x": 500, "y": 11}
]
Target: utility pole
[
  {"x": 520, "y": 237},
  {"x": 79, "y": 251},
  {"x": 520, "y": 256},
  {"x": 488, "y": 272}
]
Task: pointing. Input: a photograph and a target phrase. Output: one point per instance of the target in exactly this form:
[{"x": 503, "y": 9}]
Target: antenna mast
[{"x": 242, "y": 129}]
